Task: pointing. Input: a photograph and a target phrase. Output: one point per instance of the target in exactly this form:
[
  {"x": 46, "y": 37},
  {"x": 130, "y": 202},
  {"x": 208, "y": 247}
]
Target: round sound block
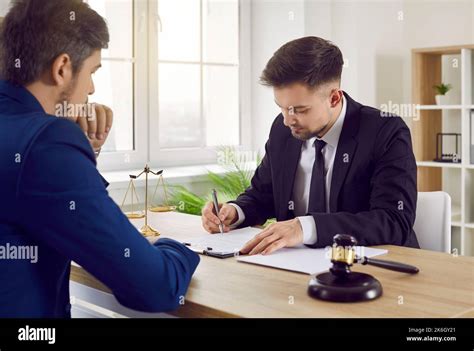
[{"x": 353, "y": 287}]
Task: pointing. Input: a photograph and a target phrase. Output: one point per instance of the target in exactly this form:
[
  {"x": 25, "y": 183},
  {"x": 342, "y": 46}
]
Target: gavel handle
[{"x": 394, "y": 266}]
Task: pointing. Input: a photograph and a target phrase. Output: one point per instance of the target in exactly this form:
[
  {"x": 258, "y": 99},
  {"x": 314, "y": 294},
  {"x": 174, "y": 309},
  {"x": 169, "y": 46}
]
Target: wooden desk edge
[
  {"x": 188, "y": 310},
  {"x": 193, "y": 310}
]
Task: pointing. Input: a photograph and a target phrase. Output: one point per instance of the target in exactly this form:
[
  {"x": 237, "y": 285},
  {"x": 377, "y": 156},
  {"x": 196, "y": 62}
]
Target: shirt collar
[
  {"x": 21, "y": 95},
  {"x": 332, "y": 135}
]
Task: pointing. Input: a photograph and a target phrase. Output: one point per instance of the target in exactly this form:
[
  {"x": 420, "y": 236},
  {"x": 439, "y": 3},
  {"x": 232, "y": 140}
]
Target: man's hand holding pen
[
  {"x": 210, "y": 221},
  {"x": 276, "y": 236}
]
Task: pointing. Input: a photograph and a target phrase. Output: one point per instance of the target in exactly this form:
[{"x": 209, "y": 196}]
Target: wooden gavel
[{"x": 340, "y": 284}]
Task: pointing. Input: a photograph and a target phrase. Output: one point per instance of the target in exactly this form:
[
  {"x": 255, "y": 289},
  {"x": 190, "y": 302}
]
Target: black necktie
[{"x": 317, "y": 191}]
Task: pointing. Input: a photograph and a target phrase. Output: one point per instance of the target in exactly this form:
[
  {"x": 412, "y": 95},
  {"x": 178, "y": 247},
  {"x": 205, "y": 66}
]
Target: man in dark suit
[{"x": 331, "y": 165}]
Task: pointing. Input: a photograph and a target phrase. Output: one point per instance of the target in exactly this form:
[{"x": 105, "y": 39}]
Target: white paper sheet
[
  {"x": 304, "y": 259},
  {"x": 299, "y": 259},
  {"x": 229, "y": 242}
]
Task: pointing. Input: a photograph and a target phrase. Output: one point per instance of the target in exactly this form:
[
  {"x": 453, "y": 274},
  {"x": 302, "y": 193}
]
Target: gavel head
[{"x": 342, "y": 254}]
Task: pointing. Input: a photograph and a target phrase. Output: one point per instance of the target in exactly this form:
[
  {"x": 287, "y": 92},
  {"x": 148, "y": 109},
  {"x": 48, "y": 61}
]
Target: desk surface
[{"x": 444, "y": 287}]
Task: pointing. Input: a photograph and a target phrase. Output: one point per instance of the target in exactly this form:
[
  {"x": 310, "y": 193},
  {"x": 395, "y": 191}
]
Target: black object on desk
[
  {"x": 340, "y": 284},
  {"x": 210, "y": 252}
]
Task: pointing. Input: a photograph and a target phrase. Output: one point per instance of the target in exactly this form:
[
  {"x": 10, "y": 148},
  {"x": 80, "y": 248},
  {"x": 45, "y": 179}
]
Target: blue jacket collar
[{"x": 21, "y": 95}]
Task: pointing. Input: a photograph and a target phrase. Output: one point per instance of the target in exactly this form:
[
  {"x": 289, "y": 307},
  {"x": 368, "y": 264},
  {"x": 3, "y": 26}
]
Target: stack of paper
[
  {"x": 299, "y": 259},
  {"x": 304, "y": 259},
  {"x": 227, "y": 242}
]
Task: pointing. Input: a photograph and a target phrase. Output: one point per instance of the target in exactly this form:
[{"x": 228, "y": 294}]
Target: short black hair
[
  {"x": 35, "y": 32},
  {"x": 309, "y": 60}
]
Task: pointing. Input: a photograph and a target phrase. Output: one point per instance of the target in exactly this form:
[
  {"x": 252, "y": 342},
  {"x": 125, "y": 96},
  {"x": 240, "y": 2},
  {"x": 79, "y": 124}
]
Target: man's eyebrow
[
  {"x": 295, "y": 107},
  {"x": 97, "y": 67}
]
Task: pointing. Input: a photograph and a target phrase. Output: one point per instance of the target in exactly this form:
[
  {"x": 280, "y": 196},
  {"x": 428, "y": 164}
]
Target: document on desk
[
  {"x": 227, "y": 244},
  {"x": 299, "y": 259},
  {"x": 304, "y": 259}
]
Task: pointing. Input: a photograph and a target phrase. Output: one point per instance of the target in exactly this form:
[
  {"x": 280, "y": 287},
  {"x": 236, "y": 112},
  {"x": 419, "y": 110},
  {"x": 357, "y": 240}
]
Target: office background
[{"x": 182, "y": 79}]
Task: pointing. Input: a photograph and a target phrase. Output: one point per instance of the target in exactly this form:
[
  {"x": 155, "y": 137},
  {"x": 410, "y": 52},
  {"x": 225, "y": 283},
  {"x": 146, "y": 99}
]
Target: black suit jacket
[{"x": 373, "y": 189}]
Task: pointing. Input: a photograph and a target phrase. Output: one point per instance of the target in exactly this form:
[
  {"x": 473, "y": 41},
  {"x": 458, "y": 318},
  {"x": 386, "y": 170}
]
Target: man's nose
[
  {"x": 92, "y": 88},
  {"x": 288, "y": 119}
]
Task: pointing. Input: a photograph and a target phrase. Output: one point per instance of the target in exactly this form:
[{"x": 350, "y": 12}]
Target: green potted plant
[
  {"x": 442, "y": 89},
  {"x": 239, "y": 169}
]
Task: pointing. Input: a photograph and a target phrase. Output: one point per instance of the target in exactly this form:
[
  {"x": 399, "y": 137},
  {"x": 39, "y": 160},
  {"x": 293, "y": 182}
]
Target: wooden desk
[{"x": 227, "y": 288}]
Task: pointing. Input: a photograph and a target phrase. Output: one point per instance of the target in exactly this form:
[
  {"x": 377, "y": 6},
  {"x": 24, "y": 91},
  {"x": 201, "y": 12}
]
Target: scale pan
[
  {"x": 162, "y": 208},
  {"x": 135, "y": 215}
]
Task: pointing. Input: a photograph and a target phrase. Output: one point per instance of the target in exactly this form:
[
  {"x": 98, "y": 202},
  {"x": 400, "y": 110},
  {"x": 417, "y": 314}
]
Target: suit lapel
[
  {"x": 345, "y": 152},
  {"x": 291, "y": 156}
]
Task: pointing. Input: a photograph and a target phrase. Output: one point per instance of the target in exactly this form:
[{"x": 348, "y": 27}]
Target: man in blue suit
[
  {"x": 54, "y": 206},
  {"x": 331, "y": 166}
]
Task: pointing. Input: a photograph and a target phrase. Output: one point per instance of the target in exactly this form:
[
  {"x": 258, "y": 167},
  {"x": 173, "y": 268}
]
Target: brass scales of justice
[{"x": 146, "y": 230}]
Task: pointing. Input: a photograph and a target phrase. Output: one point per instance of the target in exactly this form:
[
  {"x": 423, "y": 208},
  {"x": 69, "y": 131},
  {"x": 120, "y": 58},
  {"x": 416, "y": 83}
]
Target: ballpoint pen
[{"x": 216, "y": 209}]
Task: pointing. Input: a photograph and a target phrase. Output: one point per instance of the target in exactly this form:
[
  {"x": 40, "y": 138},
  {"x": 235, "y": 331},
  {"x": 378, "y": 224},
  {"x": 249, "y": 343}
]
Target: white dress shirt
[{"x": 303, "y": 175}]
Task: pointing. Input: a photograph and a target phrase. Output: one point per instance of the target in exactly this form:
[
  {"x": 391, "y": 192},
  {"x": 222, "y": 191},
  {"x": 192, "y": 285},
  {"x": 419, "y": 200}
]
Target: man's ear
[
  {"x": 61, "y": 70},
  {"x": 335, "y": 97}
]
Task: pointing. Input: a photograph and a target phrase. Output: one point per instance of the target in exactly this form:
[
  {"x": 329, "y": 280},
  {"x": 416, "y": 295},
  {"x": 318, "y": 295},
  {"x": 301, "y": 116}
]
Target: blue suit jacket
[
  {"x": 52, "y": 197},
  {"x": 373, "y": 188}
]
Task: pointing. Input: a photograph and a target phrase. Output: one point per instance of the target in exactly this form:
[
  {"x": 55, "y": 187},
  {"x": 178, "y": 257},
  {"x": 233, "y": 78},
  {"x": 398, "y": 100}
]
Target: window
[
  {"x": 114, "y": 80},
  {"x": 174, "y": 76},
  {"x": 198, "y": 58}
]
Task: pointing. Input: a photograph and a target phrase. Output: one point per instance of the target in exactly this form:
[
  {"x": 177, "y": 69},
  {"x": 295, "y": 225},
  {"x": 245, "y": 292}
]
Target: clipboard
[
  {"x": 223, "y": 245},
  {"x": 209, "y": 252}
]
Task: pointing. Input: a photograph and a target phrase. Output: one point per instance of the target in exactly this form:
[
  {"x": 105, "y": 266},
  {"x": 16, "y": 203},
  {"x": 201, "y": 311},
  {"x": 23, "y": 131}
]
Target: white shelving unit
[
  {"x": 456, "y": 179},
  {"x": 442, "y": 107}
]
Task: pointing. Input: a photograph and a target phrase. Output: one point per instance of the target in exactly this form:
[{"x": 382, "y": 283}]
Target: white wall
[
  {"x": 273, "y": 24},
  {"x": 4, "y": 7},
  {"x": 436, "y": 23},
  {"x": 375, "y": 37}
]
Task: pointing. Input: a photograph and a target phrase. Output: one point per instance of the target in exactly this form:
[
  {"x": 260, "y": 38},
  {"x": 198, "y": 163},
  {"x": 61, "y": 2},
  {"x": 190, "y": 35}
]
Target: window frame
[
  {"x": 146, "y": 133},
  {"x": 136, "y": 158}
]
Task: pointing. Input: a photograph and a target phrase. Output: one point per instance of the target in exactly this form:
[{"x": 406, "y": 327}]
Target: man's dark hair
[
  {"x": 35, "y": 32},
  {"x": 309, "y": 60}
]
